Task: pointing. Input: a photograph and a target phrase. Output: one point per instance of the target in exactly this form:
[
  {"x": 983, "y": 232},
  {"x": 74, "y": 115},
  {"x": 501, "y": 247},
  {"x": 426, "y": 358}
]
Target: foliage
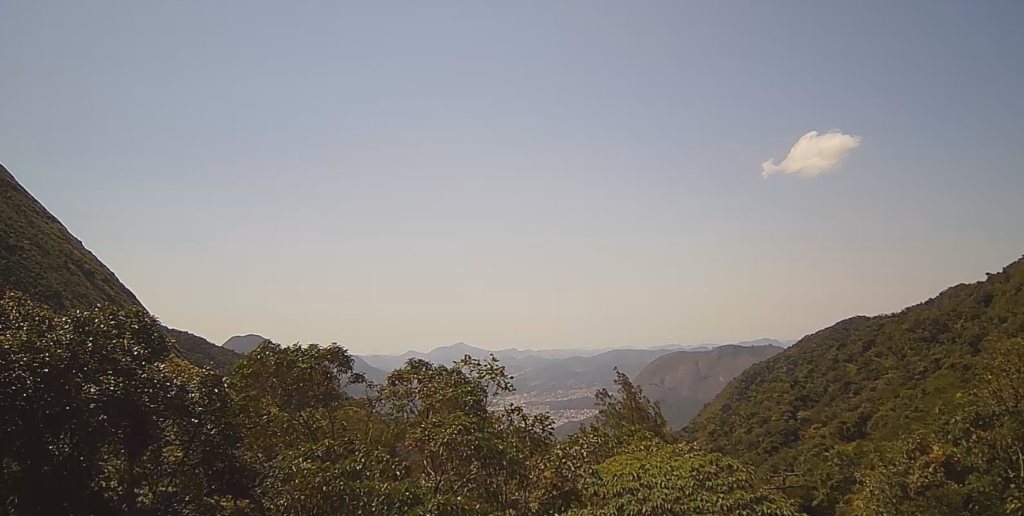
[
  {"x": 427, "y": 441},
  {"x": 973, "y": 463},
  {"x": 306, "y": 454},
  {"x": 629, "y": 409},
  {"x": 654, "y": 478},
  {"x": 95, "y": 409},
  {"x": 829, "y": 405},
  {"x": 41, "y": 259},
  {"x": 625, "y": 463},
  {"x": 469, "y": 456},
  {"x": 202, "y": 352}
]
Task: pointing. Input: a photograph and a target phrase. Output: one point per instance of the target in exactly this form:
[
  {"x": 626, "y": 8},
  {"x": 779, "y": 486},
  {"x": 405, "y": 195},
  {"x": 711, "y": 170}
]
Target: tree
[
  {"x": 630, "y": 410},
  {"x": 94, "y": 407},
  {"x": 972, "y": 463},
  {"x": 469, "y": 457},
  {"x": 657, "y": 479},
  {"x": 625, "y": 418},
  {"x": 306, "y": 440},
  {"x": 911, "y": 480}
]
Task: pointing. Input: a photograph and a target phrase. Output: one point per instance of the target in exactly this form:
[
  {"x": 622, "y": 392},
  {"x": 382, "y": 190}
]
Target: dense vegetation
[
  {"x": 97, "y": 408},
  {"x": 202, "y": 352},
  {"x": 875, "y": 398},
  {"x": 40, "y": 258}
]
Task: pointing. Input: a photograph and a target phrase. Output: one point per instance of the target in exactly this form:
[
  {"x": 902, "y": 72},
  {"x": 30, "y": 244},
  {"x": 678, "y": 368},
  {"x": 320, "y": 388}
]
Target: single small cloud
[{"x": 814, "y": 154}]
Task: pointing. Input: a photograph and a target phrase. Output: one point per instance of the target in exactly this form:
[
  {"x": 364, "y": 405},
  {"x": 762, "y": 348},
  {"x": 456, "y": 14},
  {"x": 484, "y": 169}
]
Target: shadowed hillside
[
  {"x": 202, "y": 352},
  {"x": 683, "y": 381}
]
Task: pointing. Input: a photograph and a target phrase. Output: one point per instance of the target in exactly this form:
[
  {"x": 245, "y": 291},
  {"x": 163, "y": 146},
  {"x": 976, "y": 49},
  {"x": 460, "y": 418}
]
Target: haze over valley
[{"x": 576, "y": 258}]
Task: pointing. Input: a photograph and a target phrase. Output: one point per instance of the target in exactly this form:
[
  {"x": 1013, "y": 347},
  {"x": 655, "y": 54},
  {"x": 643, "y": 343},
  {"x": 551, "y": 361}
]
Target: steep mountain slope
[
  {"x": 864, "y": 381},
  {"x": 372, "y": 373},
  {"x": 42, "y": 259},
  {"x": 683, "y": 381},
  {"x": 203, "y": 352},
  {"x": 39, "y": 257},
  {"x": 243, "y": 343}
]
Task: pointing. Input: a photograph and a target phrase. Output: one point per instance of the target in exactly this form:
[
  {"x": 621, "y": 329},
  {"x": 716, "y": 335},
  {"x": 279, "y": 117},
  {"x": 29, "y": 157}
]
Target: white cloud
[{"x": 813, "y": 154}]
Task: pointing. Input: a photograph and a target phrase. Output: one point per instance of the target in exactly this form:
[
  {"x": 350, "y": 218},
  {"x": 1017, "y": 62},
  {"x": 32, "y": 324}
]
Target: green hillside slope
[
  {"x": 40, "y": 258},
  {"x": 202, "y": 352},
  {"x": 863, "y": 382}
]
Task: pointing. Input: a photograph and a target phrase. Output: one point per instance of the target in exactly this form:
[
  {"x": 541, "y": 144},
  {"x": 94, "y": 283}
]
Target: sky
[{"x": 533, "y": 174}]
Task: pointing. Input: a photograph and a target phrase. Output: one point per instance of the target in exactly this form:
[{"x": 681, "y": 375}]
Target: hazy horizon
[
  {"x": 585, "y": 174},
  {"x": 427, "y": 349}
]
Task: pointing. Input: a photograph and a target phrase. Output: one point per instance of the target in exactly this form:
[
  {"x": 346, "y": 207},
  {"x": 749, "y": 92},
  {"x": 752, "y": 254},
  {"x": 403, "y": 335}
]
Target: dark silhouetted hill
[{"x": 243, "y": 343}]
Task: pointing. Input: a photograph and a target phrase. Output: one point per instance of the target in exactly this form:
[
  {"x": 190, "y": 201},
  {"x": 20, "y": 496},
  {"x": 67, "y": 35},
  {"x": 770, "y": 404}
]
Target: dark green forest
[{"x": 933, "y": 389}]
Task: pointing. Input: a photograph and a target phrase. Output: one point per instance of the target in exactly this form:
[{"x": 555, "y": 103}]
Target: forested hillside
[
  {"x": 845, "y": 399},
  {"x": 202, "y": 352},
  {"x": 41, "y": 259}
]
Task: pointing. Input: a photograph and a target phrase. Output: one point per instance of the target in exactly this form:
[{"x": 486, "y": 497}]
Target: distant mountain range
[
  {"x": 448, "y": 354},
  {"x": 563, "y": 382}
]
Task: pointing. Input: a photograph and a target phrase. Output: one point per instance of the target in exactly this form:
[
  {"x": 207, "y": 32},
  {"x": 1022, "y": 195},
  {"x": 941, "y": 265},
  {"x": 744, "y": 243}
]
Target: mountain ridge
[
  {"x": 865, "y": 382},
  {"x": 455, "y": 351},
  {"x": 43, "y": 260},
  {"x": 40, "y": 258}
]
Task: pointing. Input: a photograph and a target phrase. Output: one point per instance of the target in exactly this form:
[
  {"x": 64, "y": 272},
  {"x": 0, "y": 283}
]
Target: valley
[{"x": 577, "y": 258}]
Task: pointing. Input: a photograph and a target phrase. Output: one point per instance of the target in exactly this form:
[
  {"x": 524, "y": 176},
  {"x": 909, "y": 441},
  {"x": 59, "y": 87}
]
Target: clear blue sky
[{"x": 395, "y": 175}]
